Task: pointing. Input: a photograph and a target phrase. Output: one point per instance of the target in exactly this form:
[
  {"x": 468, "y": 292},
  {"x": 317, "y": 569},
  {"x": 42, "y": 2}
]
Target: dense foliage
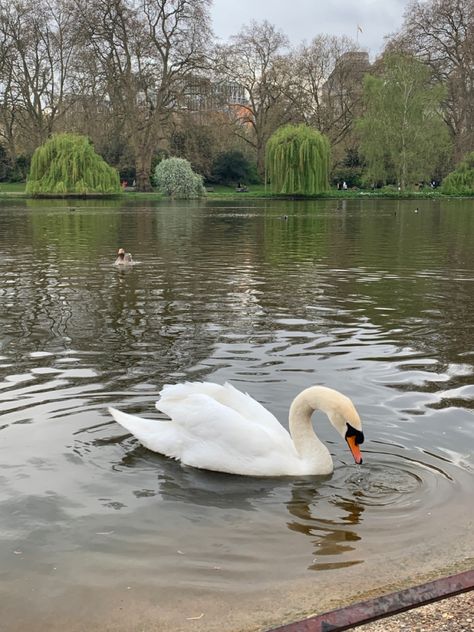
[
  {"x": 461, "y": 181},
  {"x": 67, "y": 164},
  {"x": 232, "y": 167},
  {"x": 176, "y": 179},
  {"x": 298, "y": 160},
  {"x": 147, "y": 79},
  {"x": 403, "y": 135}
]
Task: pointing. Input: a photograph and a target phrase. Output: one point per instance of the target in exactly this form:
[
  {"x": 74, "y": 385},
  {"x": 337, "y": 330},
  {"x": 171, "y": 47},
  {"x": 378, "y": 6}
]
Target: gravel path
[{"x": 455, "y": 614}]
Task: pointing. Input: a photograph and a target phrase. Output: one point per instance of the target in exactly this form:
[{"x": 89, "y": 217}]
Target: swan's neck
[{"x": 307, "y": 444}]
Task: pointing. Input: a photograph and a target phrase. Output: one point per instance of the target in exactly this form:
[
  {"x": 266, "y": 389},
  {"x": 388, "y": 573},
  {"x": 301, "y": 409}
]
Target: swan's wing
[
  {"x": 228, "y": 396},
  {"x": 155, "y": 434},
  {"x": 215, "y": 436}
]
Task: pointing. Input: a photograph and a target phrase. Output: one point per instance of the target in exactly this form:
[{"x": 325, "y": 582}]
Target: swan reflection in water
[
  {"x": 329, "y": 537},
  {"x": 309, "y": 501}
]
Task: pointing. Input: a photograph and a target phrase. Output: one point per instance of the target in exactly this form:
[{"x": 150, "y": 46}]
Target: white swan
[{"x": 219, "y": 428}]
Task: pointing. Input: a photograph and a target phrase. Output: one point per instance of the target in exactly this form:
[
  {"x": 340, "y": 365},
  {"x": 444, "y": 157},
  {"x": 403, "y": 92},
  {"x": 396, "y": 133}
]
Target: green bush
[
  {"x": 352, "y": 176},
  {"x": 232, "y": 167},
  {"x": 461, "y": 180},
  {"x": 176, "y": 179},
  {"x": 68, "y": 165}
]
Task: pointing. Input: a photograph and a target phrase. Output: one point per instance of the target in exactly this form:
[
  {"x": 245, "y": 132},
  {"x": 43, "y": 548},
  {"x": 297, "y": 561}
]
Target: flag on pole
[{"x": 359, "y": 28}]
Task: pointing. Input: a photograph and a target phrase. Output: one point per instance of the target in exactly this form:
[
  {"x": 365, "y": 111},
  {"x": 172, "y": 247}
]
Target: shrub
[
  {"x": 175, "y": 178},
  {"x": 352, "y": 176},
  {"x": 461, "y": 180},
  {"x": 232, "y": 167},
  {"x": 67, "y": 164}
]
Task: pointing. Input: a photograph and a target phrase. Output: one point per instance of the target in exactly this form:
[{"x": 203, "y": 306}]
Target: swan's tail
[{"x": 156, "y": 434}]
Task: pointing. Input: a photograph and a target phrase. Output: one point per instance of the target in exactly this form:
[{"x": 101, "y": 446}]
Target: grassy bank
[
  {"x": 258, "y": 191},
  {"x": 15, "y": 188}
]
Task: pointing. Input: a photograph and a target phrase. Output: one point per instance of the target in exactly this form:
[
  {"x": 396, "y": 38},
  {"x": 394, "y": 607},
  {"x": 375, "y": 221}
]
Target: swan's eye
[{"x": 358, "y": 434}]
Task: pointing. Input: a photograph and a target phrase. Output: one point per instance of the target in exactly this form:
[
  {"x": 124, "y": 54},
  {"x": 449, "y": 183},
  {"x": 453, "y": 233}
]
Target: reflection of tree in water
[
  {"x": 329, "y": 537},
  {"x": 211, "y": 271}
]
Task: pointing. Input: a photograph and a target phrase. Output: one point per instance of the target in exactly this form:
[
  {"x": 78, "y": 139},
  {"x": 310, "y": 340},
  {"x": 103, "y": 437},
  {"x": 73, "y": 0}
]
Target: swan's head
[
  {"x": 347, "y": 422},
  {"x": 340, "y": 411},
  {"x": 343, "y": 416}
]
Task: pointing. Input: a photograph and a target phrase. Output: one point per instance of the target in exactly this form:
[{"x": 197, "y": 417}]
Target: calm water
[{"x": 367, "y": 297}]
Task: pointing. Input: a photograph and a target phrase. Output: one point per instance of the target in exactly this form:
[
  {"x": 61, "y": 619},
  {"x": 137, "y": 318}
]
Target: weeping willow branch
[
  {"x": 68, "y": 165},
  {"x": 461, "y": 181},
  {"x": 298, "y": 160}
]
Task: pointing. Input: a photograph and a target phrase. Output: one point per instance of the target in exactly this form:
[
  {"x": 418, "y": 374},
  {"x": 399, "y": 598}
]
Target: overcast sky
[{"x": 303, "y": 19}]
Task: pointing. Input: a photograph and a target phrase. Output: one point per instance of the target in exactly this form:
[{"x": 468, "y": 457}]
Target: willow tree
[
  {"x": 461, "y": 181},
  {"x": 68, "y": 165},
  {"x": 298, "y": 160}
]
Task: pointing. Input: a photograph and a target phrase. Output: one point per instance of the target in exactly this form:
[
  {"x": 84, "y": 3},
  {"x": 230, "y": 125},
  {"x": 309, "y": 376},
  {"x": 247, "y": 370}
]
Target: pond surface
[{"x": 368, "y": 297}]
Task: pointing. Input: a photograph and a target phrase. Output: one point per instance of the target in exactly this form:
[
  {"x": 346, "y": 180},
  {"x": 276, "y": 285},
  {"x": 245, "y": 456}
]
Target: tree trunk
[
  {"x": 261, "y": 146},
  {"x": 143, "y": 169}
]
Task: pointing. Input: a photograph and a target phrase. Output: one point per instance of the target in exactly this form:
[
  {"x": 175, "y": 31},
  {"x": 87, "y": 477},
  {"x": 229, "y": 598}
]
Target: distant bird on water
[{"x": 123, "y": 258}]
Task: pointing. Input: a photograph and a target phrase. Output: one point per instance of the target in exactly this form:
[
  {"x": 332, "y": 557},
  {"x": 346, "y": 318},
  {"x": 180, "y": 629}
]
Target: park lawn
[
  {"x": 12, "y": 187},
  {"x": 220, "y": 191},
  {"x": 226, "y": 191}
]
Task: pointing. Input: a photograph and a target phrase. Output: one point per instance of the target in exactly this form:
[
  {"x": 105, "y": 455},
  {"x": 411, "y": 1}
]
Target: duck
[
  {"x": 123, "y": 258},
  {"x": 219, "y": 428}
]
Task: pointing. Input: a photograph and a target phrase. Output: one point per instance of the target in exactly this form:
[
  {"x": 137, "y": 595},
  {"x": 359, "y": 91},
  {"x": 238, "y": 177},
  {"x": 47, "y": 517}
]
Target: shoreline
[
  {"x": 257, "y": 194},
  {"x": 381, "y": 625},
  {"x": 123, "y": 608},
  {"x": 451, "y": 614}
]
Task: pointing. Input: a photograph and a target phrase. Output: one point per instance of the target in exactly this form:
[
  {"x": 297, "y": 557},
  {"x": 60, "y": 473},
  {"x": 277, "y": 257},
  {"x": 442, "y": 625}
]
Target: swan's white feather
[
  {"x": 228, "y": 396},
  {"x": 218, "y": 428},
  {"x": 155, "y": 434}
]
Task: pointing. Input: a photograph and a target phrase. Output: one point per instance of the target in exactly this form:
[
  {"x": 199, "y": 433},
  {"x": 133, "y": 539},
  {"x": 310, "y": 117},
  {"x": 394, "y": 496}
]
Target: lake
[{"x": 365, "y": 296}]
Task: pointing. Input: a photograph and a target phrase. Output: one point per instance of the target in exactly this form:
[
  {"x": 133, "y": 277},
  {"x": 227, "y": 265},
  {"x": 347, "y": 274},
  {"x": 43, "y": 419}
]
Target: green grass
[
  {"x": 258, "y": 190},
  {"x": 12, "y": 187},
  {"x": 220, "y": 191}
]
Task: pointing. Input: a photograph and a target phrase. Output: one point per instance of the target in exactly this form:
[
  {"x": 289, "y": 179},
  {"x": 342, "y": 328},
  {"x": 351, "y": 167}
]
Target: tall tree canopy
[
  {"x": 66, "y": 165},
  {"x": 403, "y": 135},
  {"x": 441, "y": 34},
  {"x": 325, "y": 84},
  {"x": 38, "y": 44},
  {"x": 143, "y": 78},
  {"x": 298, "y": 160},
  {"x": 145, "y": 53},
  {"x": 254, "y": 60}
]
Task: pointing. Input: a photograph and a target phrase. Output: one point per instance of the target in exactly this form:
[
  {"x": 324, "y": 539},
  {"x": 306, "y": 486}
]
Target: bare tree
[
  {"x": 325, "y": 85},
  {"x": 37, "y": 46},
  {"x": 441, "y": 33},
  {"x": 255, "y": 59},
  {"x": 144, "y": 53}
]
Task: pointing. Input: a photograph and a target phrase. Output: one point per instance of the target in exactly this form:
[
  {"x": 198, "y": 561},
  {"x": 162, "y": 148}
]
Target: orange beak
[{"x": 356, "y": 453}]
